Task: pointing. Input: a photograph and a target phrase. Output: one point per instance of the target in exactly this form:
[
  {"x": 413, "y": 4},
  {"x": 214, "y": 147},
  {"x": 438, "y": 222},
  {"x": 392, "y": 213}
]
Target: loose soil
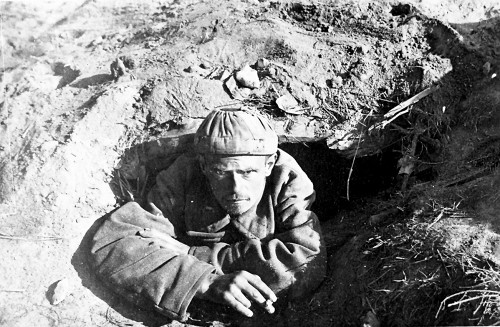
[{"x": 99, "y": 96}]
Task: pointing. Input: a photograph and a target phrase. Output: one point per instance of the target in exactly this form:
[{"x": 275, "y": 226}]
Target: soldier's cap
[{"x": 234, "y": 131}]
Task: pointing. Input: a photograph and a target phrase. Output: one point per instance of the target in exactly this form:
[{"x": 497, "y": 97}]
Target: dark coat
[{"x": 281, "y": 243}]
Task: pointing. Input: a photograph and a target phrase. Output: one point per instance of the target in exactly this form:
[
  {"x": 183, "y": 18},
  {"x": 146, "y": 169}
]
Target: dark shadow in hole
[
  {"x": 136, "y": 172},
  {"x": 329, "y": 173},
  {"x": 92, "y": 80}
]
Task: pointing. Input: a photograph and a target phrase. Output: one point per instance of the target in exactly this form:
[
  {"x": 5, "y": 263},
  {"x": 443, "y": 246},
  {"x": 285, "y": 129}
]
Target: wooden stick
[
  {"x": 411, "y": 156},
  {"x": 402, "y": 108},
  {"x": 414, "y": 99},
  {"x": 352, "y": 166},
  {"x": 13, "y": 291},
  {"x": 444, "y": 264},
  {"x": 22, "y": 238}
]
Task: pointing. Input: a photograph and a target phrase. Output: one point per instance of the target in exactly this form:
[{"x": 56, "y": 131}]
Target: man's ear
[{"x": 270, "y": 162}]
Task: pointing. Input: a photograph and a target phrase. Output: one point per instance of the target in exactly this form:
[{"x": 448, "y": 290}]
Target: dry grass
[
  {"x": 414, "y": 278},
  {"x": 484, "y": 297}
]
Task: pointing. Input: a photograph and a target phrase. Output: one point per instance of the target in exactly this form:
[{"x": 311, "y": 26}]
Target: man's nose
[{"x": 236, "y": 183}]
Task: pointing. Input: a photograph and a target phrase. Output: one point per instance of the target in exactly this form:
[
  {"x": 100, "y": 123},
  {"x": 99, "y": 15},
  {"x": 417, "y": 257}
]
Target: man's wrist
[{"x": 205, "y": 286}]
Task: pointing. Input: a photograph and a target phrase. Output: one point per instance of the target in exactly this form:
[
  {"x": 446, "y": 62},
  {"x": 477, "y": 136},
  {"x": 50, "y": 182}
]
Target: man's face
[{"x": 237, "y": 182}]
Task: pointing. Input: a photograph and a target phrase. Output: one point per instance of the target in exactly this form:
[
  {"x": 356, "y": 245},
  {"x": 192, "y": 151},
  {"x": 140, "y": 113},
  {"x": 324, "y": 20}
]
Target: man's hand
[
  {"x": 238, "y": 290},
  {"x": 164, "y": 240}
]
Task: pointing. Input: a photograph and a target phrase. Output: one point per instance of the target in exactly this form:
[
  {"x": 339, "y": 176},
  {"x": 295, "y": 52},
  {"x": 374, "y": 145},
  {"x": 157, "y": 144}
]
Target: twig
[
  {"x": 378, "y": 278},
  {"x": 352, "y": 165},
  {"x": 401, "y": 108},
  {"x": 22, "y": 238},
  {"x": 229, "y": 105},
  {"x": 469, "y": 178},
  {"x": 27, "y": 130},
  {"x": 444, "y": 265},
  {"x": 120, "y": 182},
  {"x": 13, "y": 291},
  {"x": 463, "y": 294},
  {"x": 410, "y": 101},
  {"x": 438, "y": 218},
  {"x": 460, "y": 302},
  {"x": 413, "y": 149},
  {"x": 183, "y": 105}
]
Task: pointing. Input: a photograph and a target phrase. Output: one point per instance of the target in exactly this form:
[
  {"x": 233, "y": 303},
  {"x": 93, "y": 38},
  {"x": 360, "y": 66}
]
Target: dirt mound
[{"x": 397, "y": 109}]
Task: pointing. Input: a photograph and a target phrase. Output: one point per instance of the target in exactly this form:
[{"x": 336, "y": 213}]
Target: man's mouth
[{"x": 236, "y": 200}]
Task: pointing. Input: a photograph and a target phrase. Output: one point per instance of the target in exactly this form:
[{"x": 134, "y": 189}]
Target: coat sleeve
[
  {"x": 293, "y": 261},
  {"x": 142, "y": 271}
]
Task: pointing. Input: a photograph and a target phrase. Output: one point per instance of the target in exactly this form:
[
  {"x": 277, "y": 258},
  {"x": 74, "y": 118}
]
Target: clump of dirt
[{"x": 391, "y": 113}]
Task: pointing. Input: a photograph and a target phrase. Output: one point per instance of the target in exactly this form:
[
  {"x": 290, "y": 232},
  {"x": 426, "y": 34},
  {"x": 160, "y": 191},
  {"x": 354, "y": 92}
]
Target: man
[{"x": 231, "y": 225}]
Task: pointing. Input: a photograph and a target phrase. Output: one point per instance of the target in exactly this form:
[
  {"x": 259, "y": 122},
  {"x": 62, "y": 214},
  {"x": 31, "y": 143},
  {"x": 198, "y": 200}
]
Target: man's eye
[{"x": 218, "y": 172}]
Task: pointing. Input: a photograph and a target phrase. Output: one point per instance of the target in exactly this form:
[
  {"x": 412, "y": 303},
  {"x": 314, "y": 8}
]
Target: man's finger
[
  {"x": 253, "y": 293},
  {"x": 262, "y": 287},
  {"x": 237, "y": 305},
  {"x": 256, "y": 296},
  {"x": 240, "y": 297}
]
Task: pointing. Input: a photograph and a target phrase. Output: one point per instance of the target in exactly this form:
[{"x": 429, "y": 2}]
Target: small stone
[
  {"x": 206, "y": 65},
  {"x": 364, "y": 48},
  {"x": 225, "y": 75},
  {"x": 118, "y": 68},
  {"x": 302, "y": 93},
  {"x": 231, "y": 85},
  {"x": 196, "y": 70},
  {"x": 96, "y": 41},
  {"x": 335, "y": 81},
  {"x": 248, "y": 77},
  {"x": 262, "y": 63},
  {"x": 128, "y": 62},
  {"x": 235, "y": 91},
  {"x": 486, "y": 68},
  {"x": 61, "y": 291},
  {"x": 289, "y": 104},
  {"x": 366, "y": 75}
]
